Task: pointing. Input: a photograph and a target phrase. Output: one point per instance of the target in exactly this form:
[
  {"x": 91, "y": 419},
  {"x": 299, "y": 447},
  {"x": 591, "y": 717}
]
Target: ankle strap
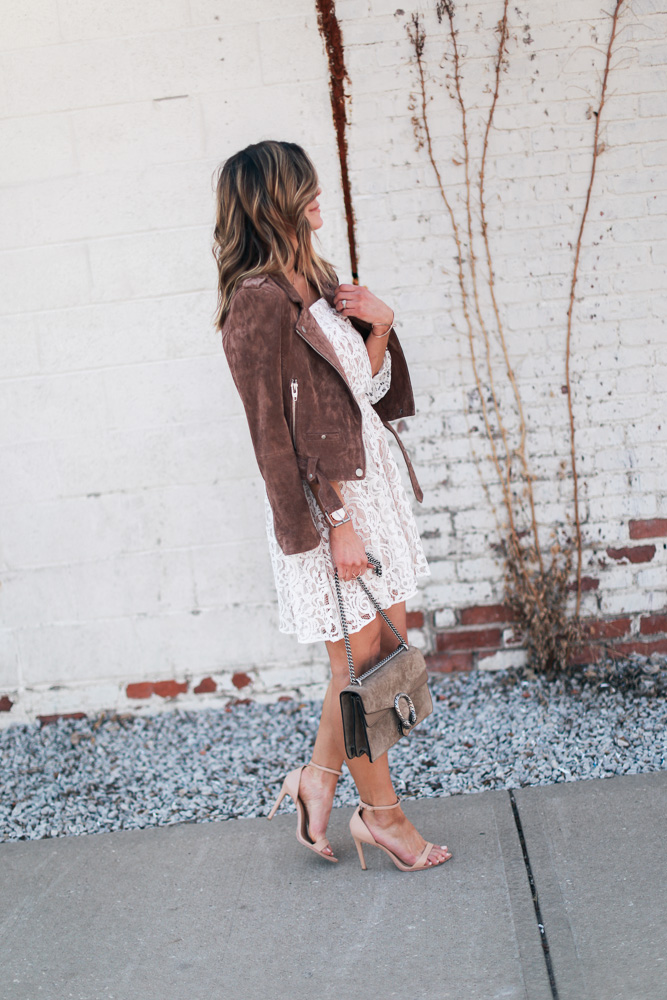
[
  {"x": 331, "y": 770},
  {"x": 365, "y": 805}
]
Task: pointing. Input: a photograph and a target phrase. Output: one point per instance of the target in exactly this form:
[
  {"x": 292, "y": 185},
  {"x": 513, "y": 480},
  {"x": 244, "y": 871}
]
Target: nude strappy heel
[
  {"x": 362, "y": 835},
  {"x": 291, "y": 788}
]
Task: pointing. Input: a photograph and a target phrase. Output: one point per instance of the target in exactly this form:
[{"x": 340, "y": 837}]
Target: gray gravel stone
[{"x": 488, "y": 730}]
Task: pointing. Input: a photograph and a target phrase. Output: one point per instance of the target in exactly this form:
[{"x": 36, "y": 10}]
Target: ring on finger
[{"x": 344, "y": 303}]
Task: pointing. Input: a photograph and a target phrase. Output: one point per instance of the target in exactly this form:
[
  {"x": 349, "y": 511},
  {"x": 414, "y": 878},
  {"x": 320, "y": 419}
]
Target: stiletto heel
[
  {"x": 360, "y": 852},
  {"x": 361, "y": 834},
  {"x": 283, "y": 793},
  {"x": 291, "y": 787}
]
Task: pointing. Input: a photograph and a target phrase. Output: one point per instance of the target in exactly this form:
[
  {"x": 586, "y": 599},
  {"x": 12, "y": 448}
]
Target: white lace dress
[{"x": 378, "y": 506}]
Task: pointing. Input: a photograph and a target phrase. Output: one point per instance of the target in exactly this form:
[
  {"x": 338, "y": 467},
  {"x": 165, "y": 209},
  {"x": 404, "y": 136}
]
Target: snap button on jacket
[{"x": 304, "y": 421}]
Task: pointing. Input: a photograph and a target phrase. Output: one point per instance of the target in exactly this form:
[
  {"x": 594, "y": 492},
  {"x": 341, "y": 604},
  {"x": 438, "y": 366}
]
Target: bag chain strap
[{"x": 377, "y": 566}]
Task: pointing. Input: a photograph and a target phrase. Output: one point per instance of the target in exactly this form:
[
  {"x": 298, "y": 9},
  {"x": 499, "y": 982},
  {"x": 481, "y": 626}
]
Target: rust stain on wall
[{"x": 329, "y": 29}]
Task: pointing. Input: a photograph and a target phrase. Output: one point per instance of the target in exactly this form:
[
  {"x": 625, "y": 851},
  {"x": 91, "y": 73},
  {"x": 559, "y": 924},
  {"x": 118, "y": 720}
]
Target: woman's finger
[{"x": 345, "y": 302}]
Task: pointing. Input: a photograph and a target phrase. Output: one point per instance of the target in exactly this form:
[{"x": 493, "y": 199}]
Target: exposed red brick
[
  {"x": 472, "y": 639},
  {"x": 241, "y": 680},
  {"x": 652, "y": 624},
  {"x": 169, "y": 689},
  {"x": 237, "y": 701},
  {"x": 6, "y": 703},
  {"x": 635, "y": 554},
  {"x": 485, "y": 614},
  {"x": 415, "y": 619},
  {"x": 587, "y": 583},
  {"x": 613, "y": 629},
  {"x": 46, "y": 720},
  {"x": 144, "y": 689},
  {"x": 445, "y": 663},
  {"x": 643, "y": 648},
  {"x": 654, "y": 527},
  {"x": 583, "y": 655},
  {"x": 206, "y": 686}
]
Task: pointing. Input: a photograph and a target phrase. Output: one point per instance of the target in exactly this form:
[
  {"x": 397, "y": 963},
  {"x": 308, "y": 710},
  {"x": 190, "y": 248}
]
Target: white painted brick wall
[{"x": 131, "y": 513}]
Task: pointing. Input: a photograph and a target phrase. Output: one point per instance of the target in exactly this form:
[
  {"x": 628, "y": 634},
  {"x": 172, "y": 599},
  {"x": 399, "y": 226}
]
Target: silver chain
[{"x": 377, "y": 566}]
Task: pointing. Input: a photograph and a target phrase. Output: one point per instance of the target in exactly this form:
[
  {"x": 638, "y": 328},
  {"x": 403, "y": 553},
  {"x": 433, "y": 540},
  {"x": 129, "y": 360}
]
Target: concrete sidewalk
[{"x": 238, "y": 911}]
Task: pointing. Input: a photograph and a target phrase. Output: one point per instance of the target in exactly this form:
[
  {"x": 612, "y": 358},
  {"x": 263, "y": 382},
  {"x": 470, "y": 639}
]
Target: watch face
[{"x": 338, "y": 515}]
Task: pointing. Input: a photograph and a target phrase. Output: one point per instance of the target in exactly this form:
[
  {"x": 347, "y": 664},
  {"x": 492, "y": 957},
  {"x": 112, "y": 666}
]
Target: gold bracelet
[{"x": 381, "y": 335}]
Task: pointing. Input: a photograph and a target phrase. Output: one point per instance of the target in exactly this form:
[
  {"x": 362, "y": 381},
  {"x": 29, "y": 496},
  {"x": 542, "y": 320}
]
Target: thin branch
[
  {"x": 417, "y": 37},
  {"x": 502, "y": 42},
  {"x": 507, "y": 495},
  {"x": 473, "y": 260},
  {"x": 577, "y": 253}
]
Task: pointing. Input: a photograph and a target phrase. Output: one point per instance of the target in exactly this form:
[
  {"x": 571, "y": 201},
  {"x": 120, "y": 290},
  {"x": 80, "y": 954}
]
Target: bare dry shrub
[
  {"x": 537, "y": 588},
  {"x": 539, "y": 597}
]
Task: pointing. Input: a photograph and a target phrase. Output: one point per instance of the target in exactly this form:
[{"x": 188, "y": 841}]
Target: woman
[{"x": 318, "y": 366}]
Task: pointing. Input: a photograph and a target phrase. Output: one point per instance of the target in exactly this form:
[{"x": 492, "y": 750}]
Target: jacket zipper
[
  {"x": 302, "y": 333},
  {"x": 294, "y": 386}
]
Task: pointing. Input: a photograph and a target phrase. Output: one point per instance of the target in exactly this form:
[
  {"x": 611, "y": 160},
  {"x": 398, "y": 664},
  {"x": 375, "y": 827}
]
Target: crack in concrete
[{"x": 536, "y": 902}]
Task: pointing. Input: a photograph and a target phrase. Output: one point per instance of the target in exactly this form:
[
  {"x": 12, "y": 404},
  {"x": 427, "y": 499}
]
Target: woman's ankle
[
  {"x": 317, "y": 779},
  {"x": 329, "y": 769},
  {"x": 384, "y": 818}
]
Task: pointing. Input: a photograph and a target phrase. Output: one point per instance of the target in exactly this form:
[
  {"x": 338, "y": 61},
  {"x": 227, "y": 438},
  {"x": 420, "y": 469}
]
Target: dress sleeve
[{"x": 381, "y": 381}]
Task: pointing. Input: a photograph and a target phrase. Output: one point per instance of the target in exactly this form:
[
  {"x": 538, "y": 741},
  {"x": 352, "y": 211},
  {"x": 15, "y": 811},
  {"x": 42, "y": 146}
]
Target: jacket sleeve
[{"x": 252, "y": 343}]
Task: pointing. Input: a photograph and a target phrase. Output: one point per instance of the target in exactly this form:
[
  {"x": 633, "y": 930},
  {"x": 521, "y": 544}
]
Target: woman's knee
[
  {"x": 366, "y": 644},
  {"x": 340, "y": 675}
]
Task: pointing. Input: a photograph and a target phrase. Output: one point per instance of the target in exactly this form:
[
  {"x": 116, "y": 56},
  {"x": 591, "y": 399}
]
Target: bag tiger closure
[{"x": 387, "y": 701}]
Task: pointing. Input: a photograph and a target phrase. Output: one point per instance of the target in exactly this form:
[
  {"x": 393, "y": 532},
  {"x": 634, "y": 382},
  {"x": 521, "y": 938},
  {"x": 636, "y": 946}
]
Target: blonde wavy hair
[{"x": 261, "y": 197}]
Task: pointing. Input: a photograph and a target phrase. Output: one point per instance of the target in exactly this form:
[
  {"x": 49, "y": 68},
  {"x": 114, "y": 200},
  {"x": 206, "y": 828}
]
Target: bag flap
[{"x": 405, "y": 672}]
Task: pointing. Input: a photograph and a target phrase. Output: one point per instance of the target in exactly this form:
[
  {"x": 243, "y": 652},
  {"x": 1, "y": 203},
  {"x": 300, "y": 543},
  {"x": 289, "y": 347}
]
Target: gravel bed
[{"x": 502, "y": 730}]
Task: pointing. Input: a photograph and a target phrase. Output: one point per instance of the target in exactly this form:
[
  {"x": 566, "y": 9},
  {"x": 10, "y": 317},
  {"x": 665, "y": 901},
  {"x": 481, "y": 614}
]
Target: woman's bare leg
[
  {"x": 318, "y": 787},
  {"x": 390, "y": 827}
]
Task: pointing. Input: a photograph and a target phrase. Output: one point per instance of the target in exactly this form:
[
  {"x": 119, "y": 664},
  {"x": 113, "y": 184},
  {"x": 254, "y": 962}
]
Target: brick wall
[
  {"x": 133, "y": 563},
  {"x": 487, "y": 636}
]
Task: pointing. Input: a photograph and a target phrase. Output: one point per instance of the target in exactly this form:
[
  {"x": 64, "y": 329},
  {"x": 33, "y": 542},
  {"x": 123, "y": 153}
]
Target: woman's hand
[
  {"x": 348, "y": 551},
  {"x": 357, "y": 301}
]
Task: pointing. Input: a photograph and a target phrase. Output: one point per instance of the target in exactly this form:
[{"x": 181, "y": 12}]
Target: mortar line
[{"x": 536, "y": 901}]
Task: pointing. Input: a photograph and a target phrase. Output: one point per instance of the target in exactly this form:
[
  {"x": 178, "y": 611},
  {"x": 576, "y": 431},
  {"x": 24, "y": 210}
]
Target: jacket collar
[
  {"x": 328, "y": 291},
  {"x": 307, "y": 326}
]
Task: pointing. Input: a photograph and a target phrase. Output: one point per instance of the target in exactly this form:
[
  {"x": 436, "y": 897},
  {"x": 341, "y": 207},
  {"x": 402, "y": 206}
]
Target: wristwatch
[{"x": 337, "y": 517}]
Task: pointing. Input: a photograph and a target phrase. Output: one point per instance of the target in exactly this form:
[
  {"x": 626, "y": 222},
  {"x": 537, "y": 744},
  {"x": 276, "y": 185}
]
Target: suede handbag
[{"x": 387, "y": 701}]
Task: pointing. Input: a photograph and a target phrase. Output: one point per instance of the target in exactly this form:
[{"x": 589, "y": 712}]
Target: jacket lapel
[{"x": 307, "y": 326}]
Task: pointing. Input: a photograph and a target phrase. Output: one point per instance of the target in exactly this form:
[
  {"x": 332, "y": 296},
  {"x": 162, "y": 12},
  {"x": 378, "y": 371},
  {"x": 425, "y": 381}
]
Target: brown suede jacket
[{"x": 304, "y": 421}]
